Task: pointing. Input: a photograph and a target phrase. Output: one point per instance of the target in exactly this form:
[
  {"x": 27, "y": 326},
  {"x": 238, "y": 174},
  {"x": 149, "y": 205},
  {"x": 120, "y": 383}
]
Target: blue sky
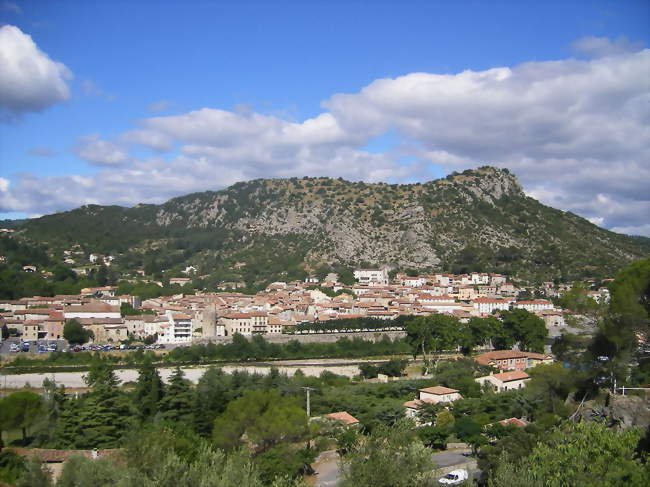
[{"x": 156, "y": 99}]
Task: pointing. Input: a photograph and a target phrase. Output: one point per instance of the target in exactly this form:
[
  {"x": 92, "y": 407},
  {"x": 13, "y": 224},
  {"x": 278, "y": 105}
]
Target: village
[{"x": 280, "y": 308}]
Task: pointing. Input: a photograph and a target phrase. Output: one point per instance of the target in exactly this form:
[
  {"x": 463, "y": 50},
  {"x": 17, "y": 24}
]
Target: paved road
[{"x": 327, "y": 466}]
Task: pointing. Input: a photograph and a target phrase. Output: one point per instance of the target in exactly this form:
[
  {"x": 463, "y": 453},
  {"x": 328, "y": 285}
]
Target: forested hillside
[{"x": 265, "y": 230}]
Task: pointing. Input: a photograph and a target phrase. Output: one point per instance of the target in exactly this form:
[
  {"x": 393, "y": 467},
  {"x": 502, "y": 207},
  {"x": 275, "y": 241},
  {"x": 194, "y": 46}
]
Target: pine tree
[
  {"x": 210, "y": 400},
  {"x": 105, "y": 415},
  {"x": 149, "y": 390},
  {"x": 177, "y": 403},
  {"x": 68, "y": 428}
]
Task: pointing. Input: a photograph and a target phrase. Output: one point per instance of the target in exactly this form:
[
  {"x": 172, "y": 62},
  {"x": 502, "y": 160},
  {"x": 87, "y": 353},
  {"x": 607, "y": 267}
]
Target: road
[{"x": 328, "y": 472}]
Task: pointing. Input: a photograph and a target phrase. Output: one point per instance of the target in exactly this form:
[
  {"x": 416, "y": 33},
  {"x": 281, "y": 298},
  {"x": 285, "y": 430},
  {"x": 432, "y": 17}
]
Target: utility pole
[{"x": 308, "y": 390}]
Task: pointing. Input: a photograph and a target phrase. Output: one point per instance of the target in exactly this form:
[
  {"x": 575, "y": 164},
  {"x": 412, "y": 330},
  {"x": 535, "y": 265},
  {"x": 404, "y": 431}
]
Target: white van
[{"x": 455, "y": 477}]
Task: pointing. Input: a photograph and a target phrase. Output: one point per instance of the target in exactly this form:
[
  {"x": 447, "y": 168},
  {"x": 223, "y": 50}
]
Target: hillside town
[{"x": 278, "y": 309}]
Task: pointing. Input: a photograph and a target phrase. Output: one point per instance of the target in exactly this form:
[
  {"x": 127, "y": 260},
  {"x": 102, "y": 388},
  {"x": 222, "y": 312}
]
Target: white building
[
  {"x": 432, "y": 395},
  {"x": 505, "y": 381},
  {"x": 178, "y": 328},
  {"x": 95, "y": 309},
  {"x": 534, "y": 305},
  {"x": 371, "y": 277},
  {"x": 488, "y": 305}
]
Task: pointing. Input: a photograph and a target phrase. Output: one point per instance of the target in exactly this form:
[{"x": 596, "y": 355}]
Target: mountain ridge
[{"x": 475, "y": 220}]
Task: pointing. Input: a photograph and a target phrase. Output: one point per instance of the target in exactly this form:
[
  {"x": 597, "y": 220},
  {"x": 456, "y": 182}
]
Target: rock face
[
  {"x": 477, "y": 220},
  {"x": 622, "y": 411}
]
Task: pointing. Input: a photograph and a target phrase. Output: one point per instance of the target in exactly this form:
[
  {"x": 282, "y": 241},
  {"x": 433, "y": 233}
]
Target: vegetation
[
  {"x": 76, "y": 334},
  {"x": 243, "y": 234}
]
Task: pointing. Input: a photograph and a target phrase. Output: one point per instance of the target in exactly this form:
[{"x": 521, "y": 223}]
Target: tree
[
  {"x": 583, "y": 454},
  {"x": 79, "y": 471},
  {"x": 390, "y": 457},
  {"x": 20, "y": 410},
  {"x": 75, "y": 333},
  {"x": 368, "y": 370},
  {"x": 432, "y": 334},
  {"x": 11, "y": 466},
  {"x": 176, "y": 405},
  {"x": 35, "y": 474},
  {"x": 148, "y": 391},
  {"x": 466, "y": 428},
  {"x": 105, "y": 414},
  {"x": 393, "y": 368},
  {"x": 551, "y": 383},
  {"x": 265, "y": 418},
  {"x": 433, "y": 436},
  {"x": 284, "y": 461},
  {"x": 526, "y": 328},
  {"x": 210, "y": 399}
]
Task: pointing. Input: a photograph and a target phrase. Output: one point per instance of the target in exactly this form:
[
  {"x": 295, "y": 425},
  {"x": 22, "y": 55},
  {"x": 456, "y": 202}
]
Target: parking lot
[{"x": 16, "y": 346}]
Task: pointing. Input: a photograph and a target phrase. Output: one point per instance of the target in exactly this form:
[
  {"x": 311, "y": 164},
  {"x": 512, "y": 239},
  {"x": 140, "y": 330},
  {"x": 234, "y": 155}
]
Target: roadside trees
[{"x": 433, "y": 334}]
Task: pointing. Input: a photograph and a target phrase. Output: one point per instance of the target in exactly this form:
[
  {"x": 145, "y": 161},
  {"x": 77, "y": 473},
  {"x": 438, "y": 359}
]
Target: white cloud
[
  {"x": 574, "y": 131},
  {"x": 100, "y": 152},
  {"x": 29, "y": 80},
  {"x": 154, "y": 140},
  {"x": 603, "y": 46}
]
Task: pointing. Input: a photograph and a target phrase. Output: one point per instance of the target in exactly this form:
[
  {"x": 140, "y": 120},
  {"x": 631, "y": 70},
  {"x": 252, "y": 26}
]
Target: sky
[{"x": 128, "y": 102}]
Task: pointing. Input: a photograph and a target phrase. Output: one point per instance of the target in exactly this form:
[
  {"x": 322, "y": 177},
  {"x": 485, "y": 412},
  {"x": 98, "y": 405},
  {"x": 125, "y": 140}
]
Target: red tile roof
[
  {"x": 438, "y": 390},
  {"x": 512, "y": 375},
  {"x": 344, "y": 417}
]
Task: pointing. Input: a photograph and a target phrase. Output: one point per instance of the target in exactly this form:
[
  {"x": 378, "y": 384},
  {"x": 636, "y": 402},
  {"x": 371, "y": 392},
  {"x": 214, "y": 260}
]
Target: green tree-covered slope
[{"x": 285, "y": 228}]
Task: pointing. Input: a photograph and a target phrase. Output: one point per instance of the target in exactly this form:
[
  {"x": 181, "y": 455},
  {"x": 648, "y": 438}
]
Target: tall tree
[
  {"x": 75, "y": 333},
  {"x": 177, "y": 403},
  {"x": 148, "y": 391},
  {"x": 432, "y": 334},
  {"x": 264, "y": 417},
  {"x": 20, "y": 410},
  {"x": 210, "y": 399},
  {"x": 105, "y": 415},
  {"x": 526, "y": 328}
]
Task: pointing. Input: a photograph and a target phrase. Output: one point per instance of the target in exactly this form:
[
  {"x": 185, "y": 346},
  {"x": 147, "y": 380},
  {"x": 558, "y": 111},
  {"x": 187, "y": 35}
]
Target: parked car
[
  {"x": 25, "y": 346},
  {"x": 455, "y": 477},
  {"x": 14, "y": 348}
]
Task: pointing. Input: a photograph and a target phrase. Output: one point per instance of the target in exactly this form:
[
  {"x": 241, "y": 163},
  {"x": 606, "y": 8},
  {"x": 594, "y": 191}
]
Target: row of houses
[
  {"x": 511, "y": 363},
  {"x": 275, "y": 310}
]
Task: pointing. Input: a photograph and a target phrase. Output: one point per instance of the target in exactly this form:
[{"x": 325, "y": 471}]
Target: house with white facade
[
  {"x": 371, "y": 277},
  {"x": 505, "y": 381},
  {"x": 178, "y": 328},
  {"x": 432, "y": 395},
  {"x": 534, "y": 305},
  {"x": 488, "y": 305}
]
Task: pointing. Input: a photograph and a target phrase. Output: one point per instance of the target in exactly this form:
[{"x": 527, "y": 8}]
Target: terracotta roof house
[
  {"x": 344, "y": 417},
  {"x": 505, "y": 381},
  {"x": 512, "y": 359},
  {"x": 432, "y": 395}
]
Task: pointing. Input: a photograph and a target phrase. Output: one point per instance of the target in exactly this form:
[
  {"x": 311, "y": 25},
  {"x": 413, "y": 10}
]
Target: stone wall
[{"x": 314, "y": 337}]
